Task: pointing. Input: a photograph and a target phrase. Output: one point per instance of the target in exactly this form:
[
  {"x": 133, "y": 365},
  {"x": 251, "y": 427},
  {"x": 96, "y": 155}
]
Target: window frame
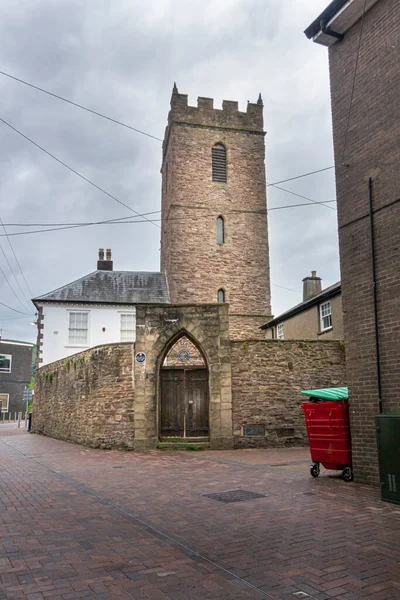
[
  {"x": 123, "y": 313},
  {"x": 280, "y": 331},
  {"x": 322, "y": 317},
  {"x": 10, "y": 361},
  {"x": 219, "y": 164},
  {"x": 71, "y": 344},
  {"x": 5, "y": 410},
  {"x": 221, "y": 290},
  {"x": 220, "y": 230}
]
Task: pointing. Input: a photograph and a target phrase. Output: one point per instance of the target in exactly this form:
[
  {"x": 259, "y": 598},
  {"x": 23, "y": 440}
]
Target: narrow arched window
[
  {"x": 219, "y": 163},
  {"x": 221, "y": 296},
  {"x": 220, "y": 230}
]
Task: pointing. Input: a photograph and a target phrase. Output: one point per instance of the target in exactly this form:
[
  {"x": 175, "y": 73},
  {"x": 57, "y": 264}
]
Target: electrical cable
[
  {"x": 117, "y": 122},
  {"x": 300, "y": 176},
  {"x": 17, "y": 261},
  {"x": 304, "y": 197},
  {"x": 285, "y": 288},
  {"x": 16, "y": 318},
  {"x": 7, "y": 281},
  {"x": 77, "y": 222},
  {"x": 354, "y": 81},
  {"x": 14, "y": 309},
  {"x": 36, "y": 87},
  {"x": 115, "y": 222},
  {"x": 73, "y": 170}
]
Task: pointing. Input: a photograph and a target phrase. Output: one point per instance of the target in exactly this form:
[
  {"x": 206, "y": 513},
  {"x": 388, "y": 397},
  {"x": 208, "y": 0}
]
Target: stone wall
[
  {"x": 267, "y": 377},
  {"x": 88, "y": 398},
  {"x": 196, "y": 265},
  {"x": 158, "y": 328}
]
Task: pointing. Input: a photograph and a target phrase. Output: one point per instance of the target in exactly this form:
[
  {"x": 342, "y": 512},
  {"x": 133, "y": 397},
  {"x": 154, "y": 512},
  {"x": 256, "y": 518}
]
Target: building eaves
[
  {"x": 326, "y": 294},
  {"x": 336, "y": 20},
  {"x": 112, "y": 287}
]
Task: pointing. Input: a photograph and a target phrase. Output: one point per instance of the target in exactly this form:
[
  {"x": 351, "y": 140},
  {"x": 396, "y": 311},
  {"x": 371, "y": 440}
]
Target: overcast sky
[{"x": 121, "y": 57}]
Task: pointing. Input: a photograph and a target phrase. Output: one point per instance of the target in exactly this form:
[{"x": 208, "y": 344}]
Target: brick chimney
[
  {"x": 107, "y": 264},
  {"x": 311, "y": 286}
]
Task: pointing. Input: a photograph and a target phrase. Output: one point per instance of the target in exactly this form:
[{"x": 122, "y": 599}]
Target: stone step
[{"x": 184, "y": 444}]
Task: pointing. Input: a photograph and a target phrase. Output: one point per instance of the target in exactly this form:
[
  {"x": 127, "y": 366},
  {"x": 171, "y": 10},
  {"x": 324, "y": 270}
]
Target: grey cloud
[{"x": 121, "y": 58}]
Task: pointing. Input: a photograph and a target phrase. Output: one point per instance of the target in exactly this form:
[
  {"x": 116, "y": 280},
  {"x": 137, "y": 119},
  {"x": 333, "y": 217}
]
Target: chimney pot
[
  {"x": 107, "y": 264},
  {"x": 311, "y": 286}
]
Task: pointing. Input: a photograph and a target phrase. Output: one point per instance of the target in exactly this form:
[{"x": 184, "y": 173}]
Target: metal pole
[
  {"x": 373, "y": 260},
  {"x": 19, "y": 420}
]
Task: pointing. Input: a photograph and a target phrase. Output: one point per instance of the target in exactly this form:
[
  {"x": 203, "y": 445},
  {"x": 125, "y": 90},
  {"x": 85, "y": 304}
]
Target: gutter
[{"x": 330, "y": 32}]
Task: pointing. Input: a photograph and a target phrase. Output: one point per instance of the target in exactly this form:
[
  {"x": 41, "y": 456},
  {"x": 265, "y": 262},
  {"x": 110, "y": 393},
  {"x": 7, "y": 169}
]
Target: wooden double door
[{"x": 184, "y": 402}]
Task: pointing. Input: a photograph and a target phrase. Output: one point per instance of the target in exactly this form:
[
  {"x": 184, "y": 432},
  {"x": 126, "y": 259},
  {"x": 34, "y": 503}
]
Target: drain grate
[{"x": 234, "y": 496}]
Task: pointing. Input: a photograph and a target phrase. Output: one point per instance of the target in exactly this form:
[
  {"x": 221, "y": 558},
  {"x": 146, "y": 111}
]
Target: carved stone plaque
[{"x": 254, "y": 430}]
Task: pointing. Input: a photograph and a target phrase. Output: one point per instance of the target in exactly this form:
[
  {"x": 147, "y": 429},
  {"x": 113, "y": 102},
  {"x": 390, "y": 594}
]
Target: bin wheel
[
  {"x": 347, "y": 474},
  {"x": 314, "y": 469}
]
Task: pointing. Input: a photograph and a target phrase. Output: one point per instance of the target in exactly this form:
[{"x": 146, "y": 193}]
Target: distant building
[
  {"x": 364, "y": 64},
  {"x": 99, "y": 308},
  {"x": 15, "y": 375},
  {"x": 319, "y": 316}
]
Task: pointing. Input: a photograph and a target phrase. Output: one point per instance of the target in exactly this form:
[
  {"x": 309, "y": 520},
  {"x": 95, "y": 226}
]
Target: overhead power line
[
  {"x": 300, "y": 176},
  {"x": 122, "y": 124},
  {"x": 285, "y": 288},
  {"x": 94, "y": 112},
  {"x": 7, "y": 281},
  {"x": 61, "y": 227},
  {"x": 74, "y": 171},
  {"x": 304, "y": 197},
  {"x": 15, "y": 310},
  {"x": 122, "y": 219},
  {"x": 17, "y": 261}
]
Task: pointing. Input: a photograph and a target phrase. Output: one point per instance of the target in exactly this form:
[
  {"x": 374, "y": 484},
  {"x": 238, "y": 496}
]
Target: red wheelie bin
[{"x": 328, "y": 429}]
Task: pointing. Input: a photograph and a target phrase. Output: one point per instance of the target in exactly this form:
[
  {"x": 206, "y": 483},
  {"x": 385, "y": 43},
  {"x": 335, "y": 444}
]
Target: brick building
[
  {"x": 365, "y": 91},
  {"x": 15, "y": 375}
]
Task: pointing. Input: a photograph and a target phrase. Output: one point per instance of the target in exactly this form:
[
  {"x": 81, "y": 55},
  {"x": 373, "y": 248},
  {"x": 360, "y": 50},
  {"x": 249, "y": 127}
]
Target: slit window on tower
[
  {"x": 219, "y": 163},
  {"x": 221, "y": 296},
  {"x": 220, "y": 231}
]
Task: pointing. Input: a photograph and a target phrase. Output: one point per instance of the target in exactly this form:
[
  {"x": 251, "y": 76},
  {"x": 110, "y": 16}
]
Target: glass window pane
[
  {"x": 221, "y": 296},
  {"x": 220, "y": 230},
  {"x": 5, "y": 363}
]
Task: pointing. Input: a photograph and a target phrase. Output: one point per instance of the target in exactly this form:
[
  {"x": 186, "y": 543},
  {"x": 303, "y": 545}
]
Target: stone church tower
[{"x": 214, "y": 239}]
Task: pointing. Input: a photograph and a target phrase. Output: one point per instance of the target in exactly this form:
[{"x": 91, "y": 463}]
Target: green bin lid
[{"x": 339, "y": 393}]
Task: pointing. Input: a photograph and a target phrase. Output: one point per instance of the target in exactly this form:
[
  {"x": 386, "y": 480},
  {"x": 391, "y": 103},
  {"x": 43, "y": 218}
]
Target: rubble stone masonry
[
  {"x": 267, "y": 378},
  {"x": 87, "y": 398},
  {"x": 195, "y": 264},
  {"x": 370, "y": 149}
]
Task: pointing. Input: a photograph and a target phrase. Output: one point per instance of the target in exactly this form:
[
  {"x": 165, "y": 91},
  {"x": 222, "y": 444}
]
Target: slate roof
[
  {"x": 112, "y": 287},
  {"x": 327, "y": 293}
]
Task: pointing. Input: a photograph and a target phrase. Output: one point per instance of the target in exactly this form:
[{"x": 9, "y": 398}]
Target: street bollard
[
  {"x": 19, "y": 420},
  {"x": 29, "y": 421}
]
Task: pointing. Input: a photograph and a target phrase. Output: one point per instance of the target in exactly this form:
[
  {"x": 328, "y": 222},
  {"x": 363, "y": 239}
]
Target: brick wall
[
  {"x": 88, "y": 398},
  {"x": 372, "y": 150},
  {"x": 267, "y": 377},
  {"x": 196, "y": 266}
]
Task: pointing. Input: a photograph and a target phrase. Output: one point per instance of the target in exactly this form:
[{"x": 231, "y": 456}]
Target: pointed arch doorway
[{"x": 184, "y": 392}]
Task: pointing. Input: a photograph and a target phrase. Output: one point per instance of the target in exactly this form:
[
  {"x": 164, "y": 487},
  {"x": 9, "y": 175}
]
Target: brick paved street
[{"x": 80, "y": 523}]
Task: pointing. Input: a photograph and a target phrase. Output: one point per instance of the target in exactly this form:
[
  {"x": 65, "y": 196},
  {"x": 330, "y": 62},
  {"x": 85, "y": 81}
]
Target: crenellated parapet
[{"x": 229, "y": 117}]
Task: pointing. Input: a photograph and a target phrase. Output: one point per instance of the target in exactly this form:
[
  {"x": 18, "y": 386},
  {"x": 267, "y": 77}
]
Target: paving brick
[{"x": 146, "y": 531}]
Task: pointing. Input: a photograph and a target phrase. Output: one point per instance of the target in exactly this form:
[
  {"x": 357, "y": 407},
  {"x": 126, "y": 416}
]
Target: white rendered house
[{"x": 99, "y": 308}]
